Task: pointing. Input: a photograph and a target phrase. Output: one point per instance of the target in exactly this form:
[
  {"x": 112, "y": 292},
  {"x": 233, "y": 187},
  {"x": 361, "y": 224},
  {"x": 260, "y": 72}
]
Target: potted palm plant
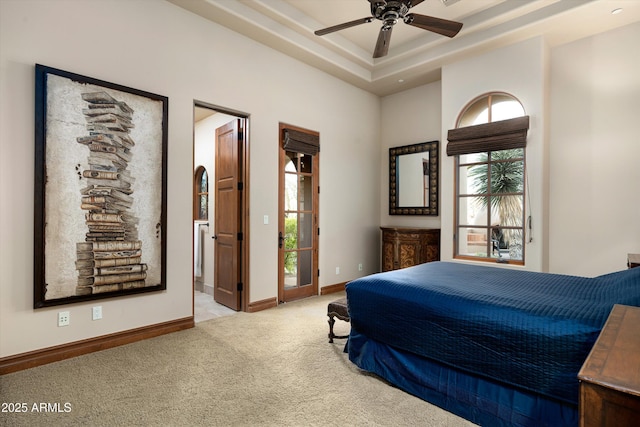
[{"x": 500, "y": 184}]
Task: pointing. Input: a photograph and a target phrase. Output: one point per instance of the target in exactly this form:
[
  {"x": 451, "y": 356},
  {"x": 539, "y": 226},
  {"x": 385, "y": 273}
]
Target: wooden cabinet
[
  {"x": 405, "y": 247},
  {"x": 610, "y": 377}
]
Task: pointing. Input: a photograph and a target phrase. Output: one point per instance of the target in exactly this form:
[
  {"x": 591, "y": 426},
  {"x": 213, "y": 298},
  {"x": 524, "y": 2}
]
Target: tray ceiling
[{"x": 415, "y": 56}]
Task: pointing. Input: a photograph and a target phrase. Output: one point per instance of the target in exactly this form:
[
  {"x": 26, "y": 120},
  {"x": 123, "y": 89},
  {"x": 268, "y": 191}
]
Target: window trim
[
  {"x": 487, "y": 138},
  {"x": 488, "y": 226}
]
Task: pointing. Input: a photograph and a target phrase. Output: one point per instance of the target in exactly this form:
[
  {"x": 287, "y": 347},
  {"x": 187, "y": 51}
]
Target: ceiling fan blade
[
  {"x": 382, "y": 45},
  {"x": 343, "y": 26},
  {"x": 412, "y": 3},
  {"x": 436, "y": 25}
]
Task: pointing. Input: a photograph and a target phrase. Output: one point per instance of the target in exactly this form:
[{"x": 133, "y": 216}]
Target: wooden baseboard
[
  {"x": 262, "y": 305},
  {"x": 66, "y": 351},
  {"x": 331, "y": 289}
]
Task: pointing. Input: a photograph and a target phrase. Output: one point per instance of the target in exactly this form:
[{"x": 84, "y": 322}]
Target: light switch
[{"x": 266, "y": 219}]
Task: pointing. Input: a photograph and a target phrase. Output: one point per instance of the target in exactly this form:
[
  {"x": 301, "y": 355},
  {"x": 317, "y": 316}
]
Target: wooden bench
[{"x": 337, "y": 309}]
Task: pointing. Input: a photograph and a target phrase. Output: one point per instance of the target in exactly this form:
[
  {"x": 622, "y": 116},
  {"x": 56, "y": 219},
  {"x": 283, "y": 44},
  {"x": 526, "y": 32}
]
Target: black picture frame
[
  {"x": 100, "y": 189},
  {"x": 430, "y": 171}
]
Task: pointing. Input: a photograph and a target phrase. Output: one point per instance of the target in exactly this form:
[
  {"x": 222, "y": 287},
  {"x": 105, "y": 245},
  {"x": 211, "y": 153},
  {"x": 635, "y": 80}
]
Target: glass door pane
[
  {"x": 305, "y": 268},
  {"x": 290, "y": 249},
  {"x": 305, "y": 231}
]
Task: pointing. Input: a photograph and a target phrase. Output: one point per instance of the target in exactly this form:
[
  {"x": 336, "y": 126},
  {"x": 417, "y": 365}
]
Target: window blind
[
  {"x": 501, "y": 135},
  {"x": 301, "y": 142}
]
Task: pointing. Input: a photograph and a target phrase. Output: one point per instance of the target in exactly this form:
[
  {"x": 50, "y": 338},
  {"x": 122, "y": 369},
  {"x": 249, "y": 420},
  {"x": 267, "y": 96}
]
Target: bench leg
[{"x": 331, "y": 322}]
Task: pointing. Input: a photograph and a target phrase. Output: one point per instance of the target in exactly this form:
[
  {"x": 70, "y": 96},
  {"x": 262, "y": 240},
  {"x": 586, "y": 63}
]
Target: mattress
[{"x": 529, "y": 330}]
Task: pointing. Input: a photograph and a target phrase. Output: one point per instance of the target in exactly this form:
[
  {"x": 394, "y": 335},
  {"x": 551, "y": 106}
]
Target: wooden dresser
[
  {"x": 610, "y": 377},
  {"x": 404, "y": 247}
]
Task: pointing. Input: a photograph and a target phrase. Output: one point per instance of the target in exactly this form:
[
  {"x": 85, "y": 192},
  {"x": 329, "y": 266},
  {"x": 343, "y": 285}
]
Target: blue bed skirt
[{"x": 476, "y": 399}]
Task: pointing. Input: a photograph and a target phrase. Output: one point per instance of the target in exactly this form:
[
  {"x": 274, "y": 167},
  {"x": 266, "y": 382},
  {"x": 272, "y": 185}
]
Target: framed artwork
[
  {"x": 413, "y": 179},
  {"x": 100, "y": 189}
]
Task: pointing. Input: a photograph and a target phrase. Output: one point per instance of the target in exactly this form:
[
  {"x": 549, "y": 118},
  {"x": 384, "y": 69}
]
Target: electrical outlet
[
  {"x": 96, "y": 312},
  {"x": 337, "y": 270},
  {"x": 64, "y": 318},
  {"x": 360, "y": 267}
]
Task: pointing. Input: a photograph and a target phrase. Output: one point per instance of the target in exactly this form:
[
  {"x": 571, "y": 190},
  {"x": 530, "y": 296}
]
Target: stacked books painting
[{"x": 110, "y": 257}]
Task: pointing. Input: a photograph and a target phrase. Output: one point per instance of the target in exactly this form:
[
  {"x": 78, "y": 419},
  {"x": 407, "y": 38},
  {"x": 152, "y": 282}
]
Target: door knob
[{"x": 280, "y": 239}]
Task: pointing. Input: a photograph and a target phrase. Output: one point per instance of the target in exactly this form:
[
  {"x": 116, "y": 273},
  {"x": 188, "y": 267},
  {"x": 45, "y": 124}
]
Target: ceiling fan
[{"x": 390, "y": 12}]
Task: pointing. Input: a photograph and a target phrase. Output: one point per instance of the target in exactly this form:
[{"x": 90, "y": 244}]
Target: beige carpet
[{"x": 272, "y": 368}]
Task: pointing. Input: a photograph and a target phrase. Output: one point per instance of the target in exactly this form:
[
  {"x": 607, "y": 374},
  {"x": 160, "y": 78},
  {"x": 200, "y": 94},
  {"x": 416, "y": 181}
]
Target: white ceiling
[{"x": 415, "y": 56}]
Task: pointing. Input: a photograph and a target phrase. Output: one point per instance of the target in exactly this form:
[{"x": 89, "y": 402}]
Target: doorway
[
  {"x": 298, "y": 213},
  {"x": 220, "y": 255}
]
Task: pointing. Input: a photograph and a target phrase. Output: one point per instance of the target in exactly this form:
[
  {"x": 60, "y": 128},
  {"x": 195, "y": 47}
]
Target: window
[
  {"x": 201, "y": 208},
  {"x": 489, "y": 148}
]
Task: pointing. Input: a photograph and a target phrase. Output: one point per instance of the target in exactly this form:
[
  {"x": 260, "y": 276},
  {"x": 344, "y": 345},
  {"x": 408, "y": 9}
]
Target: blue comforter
[{"x": 529, "y": 330}]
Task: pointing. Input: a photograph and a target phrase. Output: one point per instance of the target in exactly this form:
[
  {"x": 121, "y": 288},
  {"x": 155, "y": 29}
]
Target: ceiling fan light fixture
[{"x": 388, "y": 23}]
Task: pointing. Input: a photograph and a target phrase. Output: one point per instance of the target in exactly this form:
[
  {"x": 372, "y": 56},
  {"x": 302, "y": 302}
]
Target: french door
[{"x": 298, "y": 219}]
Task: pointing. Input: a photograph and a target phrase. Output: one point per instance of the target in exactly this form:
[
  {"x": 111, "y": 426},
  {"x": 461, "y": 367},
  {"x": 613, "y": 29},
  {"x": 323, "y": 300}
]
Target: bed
[{"x": 493, "y": 345}]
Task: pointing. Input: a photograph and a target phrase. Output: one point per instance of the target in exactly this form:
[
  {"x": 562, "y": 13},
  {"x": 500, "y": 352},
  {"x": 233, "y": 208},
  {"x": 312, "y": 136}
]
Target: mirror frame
[{"x": 434, "y": 161}]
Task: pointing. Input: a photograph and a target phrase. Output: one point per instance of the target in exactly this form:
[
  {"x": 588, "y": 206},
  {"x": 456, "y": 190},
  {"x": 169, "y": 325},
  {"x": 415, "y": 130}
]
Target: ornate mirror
[{"x": 413, "y": 179}]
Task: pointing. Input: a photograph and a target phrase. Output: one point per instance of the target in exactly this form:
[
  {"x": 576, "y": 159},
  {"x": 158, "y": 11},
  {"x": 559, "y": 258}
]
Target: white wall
[
  {"x": 595, "y": 153},
  {"x": 160, "y": 48},
  {"x": 520, "y": 70},
  {"x": 409, "y": 117},
  {"x": 583, "y": 195},
  {"x": 428, "y": 112},
  {"x": 582, "y": 152}
]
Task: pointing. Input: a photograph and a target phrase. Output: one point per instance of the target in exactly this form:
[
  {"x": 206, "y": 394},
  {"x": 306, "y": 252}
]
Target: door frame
[
  {"x": 244, "y": 198},
  {"x": 316, "y": 219}
]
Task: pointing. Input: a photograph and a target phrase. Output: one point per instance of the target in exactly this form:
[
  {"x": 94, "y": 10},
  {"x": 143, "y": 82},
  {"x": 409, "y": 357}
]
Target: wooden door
[
  {"x": 228, "y": 226},
  {"x": 298, "y": 225}
]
